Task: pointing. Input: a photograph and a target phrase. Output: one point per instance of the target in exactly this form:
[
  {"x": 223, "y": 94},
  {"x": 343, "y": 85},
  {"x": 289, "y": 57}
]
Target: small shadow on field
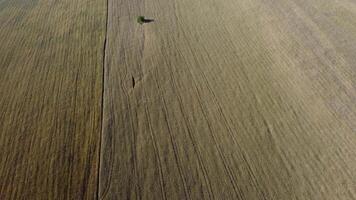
[
  {"x": 146, "y": 21},
  {"x": 143, "y": 20}
]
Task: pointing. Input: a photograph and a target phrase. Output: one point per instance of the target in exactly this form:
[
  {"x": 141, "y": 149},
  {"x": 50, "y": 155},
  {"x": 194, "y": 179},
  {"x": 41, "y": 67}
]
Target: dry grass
[
  {"x": 250, "y": 99},
  {"x": 233, "y": 100},
  {"x": 50, "y": 98}
]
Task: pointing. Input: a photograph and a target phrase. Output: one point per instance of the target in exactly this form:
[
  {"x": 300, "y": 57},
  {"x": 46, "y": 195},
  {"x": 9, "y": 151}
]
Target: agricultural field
[
  {"x": 249, "y": 99},
  {"x": 50, "y": 98}
]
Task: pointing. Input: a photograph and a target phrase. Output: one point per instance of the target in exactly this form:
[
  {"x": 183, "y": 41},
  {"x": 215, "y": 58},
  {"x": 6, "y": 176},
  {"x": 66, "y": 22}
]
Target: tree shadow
[{"x": 146, "y": 21}]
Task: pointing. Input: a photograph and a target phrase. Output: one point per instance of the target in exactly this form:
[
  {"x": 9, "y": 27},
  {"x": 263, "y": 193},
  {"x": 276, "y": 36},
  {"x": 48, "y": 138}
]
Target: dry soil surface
[{"x": 248, "y": 99}]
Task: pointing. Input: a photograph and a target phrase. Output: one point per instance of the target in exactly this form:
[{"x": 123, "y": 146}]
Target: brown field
[{"x": 248, "y": 99}]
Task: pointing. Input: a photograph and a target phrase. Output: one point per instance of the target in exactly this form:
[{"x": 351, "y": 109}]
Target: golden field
[{"x": 249, "y": 99}]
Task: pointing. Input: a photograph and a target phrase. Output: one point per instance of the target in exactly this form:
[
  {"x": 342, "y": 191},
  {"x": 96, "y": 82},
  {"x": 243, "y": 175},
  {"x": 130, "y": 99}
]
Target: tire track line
[
  {"x": 189, "y": 129},
  {"x": 228, "y": 170},
  {"x": 227, "y": 125},
  {"x": 174, "y": 145},
  {"x": 153, "y": 138}
]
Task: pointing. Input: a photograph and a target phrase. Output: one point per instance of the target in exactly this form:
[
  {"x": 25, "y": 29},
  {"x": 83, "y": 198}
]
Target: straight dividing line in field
[{"x": 102, "y": 97}]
